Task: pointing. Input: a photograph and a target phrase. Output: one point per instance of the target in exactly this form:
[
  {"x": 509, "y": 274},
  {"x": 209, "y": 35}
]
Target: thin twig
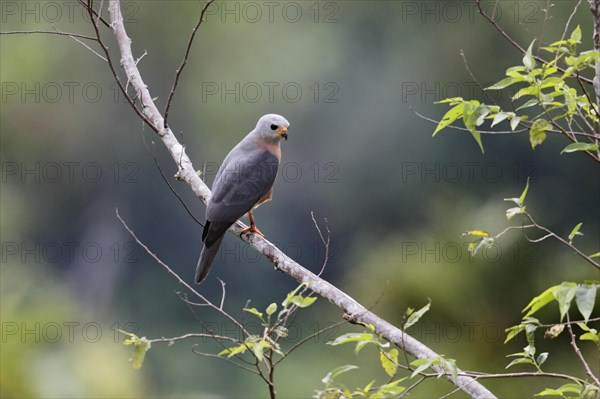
[
  {"x": 184, "y": 61},
  {"x": 487, "y": 96},
  {"x": 308, "y": 338},
  {"x": 580, "y": 356},
  {"x": 413, "y": 386},
  {"x": 563, "y": 241},
  {"x": 323, "y": 240},
  {"x": 187, "y": 209},
  {"x": 94, "y": 13},
  {"x": 49, "y": 32},
  {"x": 513, "y": 42},
  {"x": 193, "y": 335},
  {"x": 228, "y": 360},
  {"x": 222, "y": 294},
  {"x": 569, "y": 20},
  {"x": 179, "y": 279}
]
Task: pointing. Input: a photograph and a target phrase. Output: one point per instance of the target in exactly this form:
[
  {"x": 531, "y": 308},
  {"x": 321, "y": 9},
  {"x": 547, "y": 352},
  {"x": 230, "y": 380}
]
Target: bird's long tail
[{"x": 206, "y": 259}]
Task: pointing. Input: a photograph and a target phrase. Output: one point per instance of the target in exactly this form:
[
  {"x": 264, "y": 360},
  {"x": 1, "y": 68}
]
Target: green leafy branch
[
  {"x": 388, "y": 359},
  {"x": 483, "y": 239},
  {"x": 561, "y": 108},
  {"x": 563, "y": 294}
]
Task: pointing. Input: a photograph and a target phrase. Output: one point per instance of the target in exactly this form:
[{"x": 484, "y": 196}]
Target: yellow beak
[{"x": 283, "y": 132}]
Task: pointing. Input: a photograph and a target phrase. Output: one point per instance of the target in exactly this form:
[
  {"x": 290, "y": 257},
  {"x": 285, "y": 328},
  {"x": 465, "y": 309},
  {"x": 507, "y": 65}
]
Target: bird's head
[{"x": 272, "y": 127}]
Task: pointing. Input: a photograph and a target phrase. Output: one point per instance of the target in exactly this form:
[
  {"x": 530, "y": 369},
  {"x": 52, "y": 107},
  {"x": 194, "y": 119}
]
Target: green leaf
[
  {"x": 452, "y": 100},
  {"x": 552, "y": 81},
  {"x": 537, "y": 132},
  {"x": 450, "y": 364},
  {"x": 590, "y": 336},
  {"x": 362, "y": 344},
  {"x": 328, "y": 379},
  {"x": 421, "y": 365},
  {"x": 140, "y": 347},
  {"x": 522, "y": 360},
  {"x": 575, "y": 232},
  {"x": 564, "y": 295},
  {"x": 528, "y": 59},
  {"x": 254, "y": 311},
  {"x": 391, "y": 389},
  {"x": 499, "y": 117},
  {"x": 583, "y": 326},
  {"x": 515, "y": 120},
  {"x": 272, "y": 308},
  {"x": 504, "y": 83},
  {"x": 524, "y": 193},
  {"x": 579, "y": 147},
  {"x": 258, "y": 349},
  {"x": 541, "y": 358},
  {"x": 303, "y": 302},
  {"x": 596, "y": 255},
  {"x": 389, "y": 361},
  {"x": 450, "y": 116},
  {"x": 235, "y": 350},
  {"x": 290, "y": 295},
  {"x": 527, "y": 91},
  {"x": 585, "y": 298},
  {"x": 513, "y": 332},
  {"x": 576, "y": 35},
  {"x": 350, "y": 337},
  {"x": 562, "y": 391},
  {"x": 540, "y": 301},
  {"x": 549, "y": 392},
  {"x": 473, "y": 116},
  {"x": 415, "y": 316},
  {"x": 529, "y": 104}
]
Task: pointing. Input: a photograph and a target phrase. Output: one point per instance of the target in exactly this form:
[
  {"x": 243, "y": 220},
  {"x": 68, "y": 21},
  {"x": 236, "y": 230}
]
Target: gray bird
[{"x": 243, "y": 182}]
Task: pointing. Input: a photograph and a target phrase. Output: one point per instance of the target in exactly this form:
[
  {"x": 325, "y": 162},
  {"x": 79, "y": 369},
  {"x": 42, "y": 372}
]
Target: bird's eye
[{"x": 274, "y": 127}]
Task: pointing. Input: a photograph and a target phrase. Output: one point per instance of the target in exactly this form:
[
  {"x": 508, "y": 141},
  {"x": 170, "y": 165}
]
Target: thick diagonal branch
[{"x": 354, "y": 312}]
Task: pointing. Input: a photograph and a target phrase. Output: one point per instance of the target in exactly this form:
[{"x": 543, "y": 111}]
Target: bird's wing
[{"x": 241, "y": 182}]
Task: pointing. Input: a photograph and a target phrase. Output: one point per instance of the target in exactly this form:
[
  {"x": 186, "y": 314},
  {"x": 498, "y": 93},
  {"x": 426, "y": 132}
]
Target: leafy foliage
[
  {"x": 389, "y": 360},
  {"x": 550, "y": 88}
]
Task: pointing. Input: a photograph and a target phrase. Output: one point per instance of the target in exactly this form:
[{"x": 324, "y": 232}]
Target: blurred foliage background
[{"x": 345, "y": 74}]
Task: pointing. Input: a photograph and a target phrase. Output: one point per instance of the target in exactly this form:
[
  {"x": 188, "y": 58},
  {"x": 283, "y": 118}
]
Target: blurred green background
[{"x": 345, "y": 74}]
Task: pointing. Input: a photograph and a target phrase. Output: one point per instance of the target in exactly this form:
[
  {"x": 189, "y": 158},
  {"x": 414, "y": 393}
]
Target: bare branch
[
  {"x": 185, "y": 58},
  {"x": 49, "y": 32},
  {"x": 562, "y": 240},
  {"x": 564, "y": 35},
  {"x": 487, "y": 96},
  {"x": 308, "y": 338},
  {"x": 179, "y": 279},
  {"x": 192, "y": 335},
  {"x": 227, "y": 360},
  {"x": 588, "y": 371},
  {"x": 324, "y": 240}
]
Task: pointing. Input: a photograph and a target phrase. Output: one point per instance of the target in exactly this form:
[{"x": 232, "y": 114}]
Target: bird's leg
[{"x": 252, "y": 228}]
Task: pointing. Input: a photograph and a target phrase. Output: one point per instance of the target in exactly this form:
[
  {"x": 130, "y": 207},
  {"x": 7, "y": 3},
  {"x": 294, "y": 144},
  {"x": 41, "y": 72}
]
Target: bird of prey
[{"x": 243, "y": 182}]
